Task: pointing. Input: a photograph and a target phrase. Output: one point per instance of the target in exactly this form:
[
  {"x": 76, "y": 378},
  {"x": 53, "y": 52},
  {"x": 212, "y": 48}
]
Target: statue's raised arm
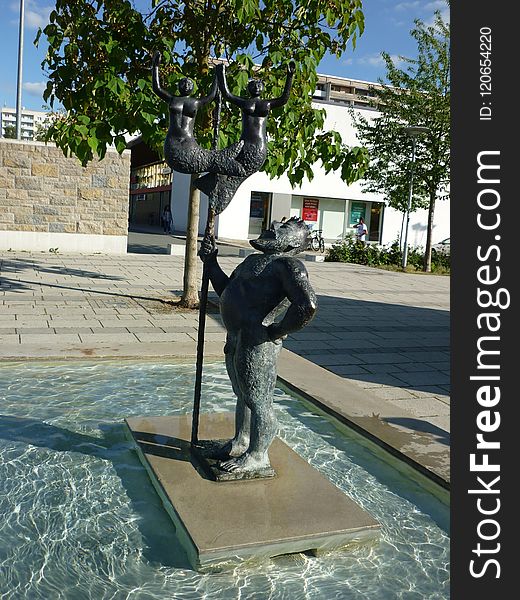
[
  {"x": 224, "y": 90},
  {"x": 291, "y": 68},
  {"x": 212, "y": 92},
  {"x": 156, "y": 84}
]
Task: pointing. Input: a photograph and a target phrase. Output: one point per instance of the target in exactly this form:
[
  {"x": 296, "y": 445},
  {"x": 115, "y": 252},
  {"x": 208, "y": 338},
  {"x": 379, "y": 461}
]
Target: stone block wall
[{"x": 48, "y": 200}]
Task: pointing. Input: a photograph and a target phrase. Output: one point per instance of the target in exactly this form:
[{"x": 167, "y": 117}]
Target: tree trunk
[
  {"x": 427, "y": 265},
  {"x": 190, "y": 296}
]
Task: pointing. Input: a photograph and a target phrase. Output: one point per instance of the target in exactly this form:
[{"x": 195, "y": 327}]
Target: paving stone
[
  {"x": 109, "y": 330},
  {"x": 335, "y": 359},
  {"x": 149, "y": 329},
  {"x": 65, "y": 323},
  {"x": 383, "y": 357},
  {"x": 164, "y": 337},
  {"x": 371, "y": 380},
  {"x": 347, "y": 369},
  {"x": 71, "y": 330},
  {"x": 310, "y": 336},
  {"x": 92, "y": 338},
  {"x": 427, "y": 356},
  {"x": 390, "y": 368},
  {"x": 350, "y": 344},
  {"x": 51, "y": 338},
  {"x": 24, "y": 322},
  {"x": 126, "y": 323},
  {"x": 296, "y": 346},
  {"x": 9, "y": 338},
  {"x": 7, "y": 330},
  {"x": 424, "y": 378}
]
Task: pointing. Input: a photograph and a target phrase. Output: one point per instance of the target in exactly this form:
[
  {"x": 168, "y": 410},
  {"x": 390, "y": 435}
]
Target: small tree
[
  {"x": 99, "y": 66},
  {"x": 41, "y": 133},
  {"x": 419, "y": 95},
  {"x": 10, "y": 132}
]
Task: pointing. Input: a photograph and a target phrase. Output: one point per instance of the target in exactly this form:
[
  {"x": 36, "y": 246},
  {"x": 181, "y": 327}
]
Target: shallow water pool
[{"x": 79, "y": 518}]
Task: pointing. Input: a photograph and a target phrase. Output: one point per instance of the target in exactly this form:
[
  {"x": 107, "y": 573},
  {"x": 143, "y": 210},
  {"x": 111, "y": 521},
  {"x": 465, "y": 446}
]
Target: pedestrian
[
  {"x": 167, "y": 220},
  {"x": 361, "y": 230}
]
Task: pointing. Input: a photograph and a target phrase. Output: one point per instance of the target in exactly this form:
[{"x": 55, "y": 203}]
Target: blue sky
[{"x": 387, "y": 27}]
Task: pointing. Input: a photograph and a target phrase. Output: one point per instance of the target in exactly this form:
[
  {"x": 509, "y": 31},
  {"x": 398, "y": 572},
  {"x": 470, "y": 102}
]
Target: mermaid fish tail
[
  {"x": 224, "y": 161},
  {"x": 189, "y": 157},
  {"x": 220, "y": 189}
]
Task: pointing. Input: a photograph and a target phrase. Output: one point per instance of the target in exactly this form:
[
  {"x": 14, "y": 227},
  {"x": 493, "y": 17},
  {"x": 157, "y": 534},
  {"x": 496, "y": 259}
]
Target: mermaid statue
[{"x": 181, "y": 151}]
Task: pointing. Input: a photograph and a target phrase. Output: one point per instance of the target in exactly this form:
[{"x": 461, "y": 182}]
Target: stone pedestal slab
[{"x": 221, "y": 523}]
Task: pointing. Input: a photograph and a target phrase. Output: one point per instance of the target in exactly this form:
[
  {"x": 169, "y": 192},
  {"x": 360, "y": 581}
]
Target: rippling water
[{"x": 80, "y": 520}]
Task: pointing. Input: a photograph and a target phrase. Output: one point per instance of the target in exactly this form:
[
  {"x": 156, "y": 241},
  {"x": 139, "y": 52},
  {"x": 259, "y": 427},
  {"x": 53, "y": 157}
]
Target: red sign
[{"x": 310, "y": 209}]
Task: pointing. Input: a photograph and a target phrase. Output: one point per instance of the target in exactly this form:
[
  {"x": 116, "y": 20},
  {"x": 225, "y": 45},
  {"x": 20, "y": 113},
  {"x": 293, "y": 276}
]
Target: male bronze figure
[{"x": 251, "y": 299}]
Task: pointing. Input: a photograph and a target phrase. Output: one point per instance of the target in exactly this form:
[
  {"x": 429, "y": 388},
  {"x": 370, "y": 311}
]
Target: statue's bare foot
[
  {"x": 233, "y": 447},
  {"x": 245, "y": 463}
]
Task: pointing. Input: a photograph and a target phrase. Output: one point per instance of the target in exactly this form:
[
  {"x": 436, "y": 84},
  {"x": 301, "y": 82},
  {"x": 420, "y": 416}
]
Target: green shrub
[{"x": 353, "y": 251}]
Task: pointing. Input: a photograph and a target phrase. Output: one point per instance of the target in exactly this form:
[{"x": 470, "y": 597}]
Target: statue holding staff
[{"x": 260, "y": 289}]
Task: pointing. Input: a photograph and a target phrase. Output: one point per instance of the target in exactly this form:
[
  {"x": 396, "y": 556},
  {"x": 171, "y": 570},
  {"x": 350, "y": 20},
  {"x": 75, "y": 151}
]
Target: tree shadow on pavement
[
  {"x": 10, "y": 269},
  {"x": 439, "y": 435},
  {"x": 379, "y": 344}
]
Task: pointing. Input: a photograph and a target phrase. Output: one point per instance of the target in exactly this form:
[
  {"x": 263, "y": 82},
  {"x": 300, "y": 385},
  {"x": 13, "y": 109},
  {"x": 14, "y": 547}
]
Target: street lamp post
[
  {"x": 20, "y": 69},
  {"x": 413, "y": 132}
]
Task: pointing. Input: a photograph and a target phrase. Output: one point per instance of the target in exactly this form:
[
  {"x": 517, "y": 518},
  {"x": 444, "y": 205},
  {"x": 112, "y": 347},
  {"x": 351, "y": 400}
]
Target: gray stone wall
[{"x": 43, "y": 191}]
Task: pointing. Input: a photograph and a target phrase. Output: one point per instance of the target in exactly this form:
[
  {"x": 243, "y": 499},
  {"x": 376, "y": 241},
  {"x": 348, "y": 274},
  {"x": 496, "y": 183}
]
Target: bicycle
[{"x": 317, "y": 241}]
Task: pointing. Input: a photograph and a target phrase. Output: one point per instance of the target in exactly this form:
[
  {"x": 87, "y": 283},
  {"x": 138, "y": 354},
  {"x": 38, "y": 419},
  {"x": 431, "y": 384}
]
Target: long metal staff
[{"x": 210, "y": 229}]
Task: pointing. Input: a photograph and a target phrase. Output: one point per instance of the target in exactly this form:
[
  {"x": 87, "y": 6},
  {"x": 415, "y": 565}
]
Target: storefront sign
[
  {"x": 257, "y": 209},
  {"x": 357, "y": 211},
  {"x": 310, "y": 209}
]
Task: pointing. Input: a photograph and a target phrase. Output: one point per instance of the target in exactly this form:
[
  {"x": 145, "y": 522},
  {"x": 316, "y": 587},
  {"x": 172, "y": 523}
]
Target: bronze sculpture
[
  {"x": 181, "y": 151},
  {"x": 260, "y": 289},
  {"x": 252, "y": 146}
]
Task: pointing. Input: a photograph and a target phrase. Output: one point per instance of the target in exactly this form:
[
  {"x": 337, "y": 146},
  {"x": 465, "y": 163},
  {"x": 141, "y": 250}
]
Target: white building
[
  {"x": 30, "y": 121},
  {"x": 325, "y": 202}
]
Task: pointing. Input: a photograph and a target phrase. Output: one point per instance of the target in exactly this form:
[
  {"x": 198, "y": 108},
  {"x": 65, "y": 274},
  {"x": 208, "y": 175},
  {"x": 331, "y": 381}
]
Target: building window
[
  {"x": 259, "y": 213},
  {"x": 151, "y": 176}
]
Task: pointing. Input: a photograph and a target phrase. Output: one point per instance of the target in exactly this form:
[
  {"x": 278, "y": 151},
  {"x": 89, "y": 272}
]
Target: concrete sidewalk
[{"x": 385, "y": 334}]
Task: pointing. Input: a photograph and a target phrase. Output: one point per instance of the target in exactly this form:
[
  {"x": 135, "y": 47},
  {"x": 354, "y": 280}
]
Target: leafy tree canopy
[
  {"x": 10, "y": 132},
  {"x": 99, "y": 67},
  {"x": 419, "y": 94}
]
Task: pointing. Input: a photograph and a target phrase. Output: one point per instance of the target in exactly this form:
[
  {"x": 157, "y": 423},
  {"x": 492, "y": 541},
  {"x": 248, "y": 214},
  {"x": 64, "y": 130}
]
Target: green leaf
[
  {"x": 120, "y": 143},
  {"x": 93, "y": 143}
]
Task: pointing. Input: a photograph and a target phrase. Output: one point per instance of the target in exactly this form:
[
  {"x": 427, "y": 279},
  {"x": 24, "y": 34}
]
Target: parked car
[{"x": 442, "y": 246}]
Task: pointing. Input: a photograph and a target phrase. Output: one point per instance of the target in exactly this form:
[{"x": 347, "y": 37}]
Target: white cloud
[
  {"x": 373, "y": 60},
  {"x": 36, "y": 15},
  {"x": 407, "y": 5},
  {"x": 424, "y": 10},
  {"x": 437, "y": 5},
  {"x": 36, "y": 88}
]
